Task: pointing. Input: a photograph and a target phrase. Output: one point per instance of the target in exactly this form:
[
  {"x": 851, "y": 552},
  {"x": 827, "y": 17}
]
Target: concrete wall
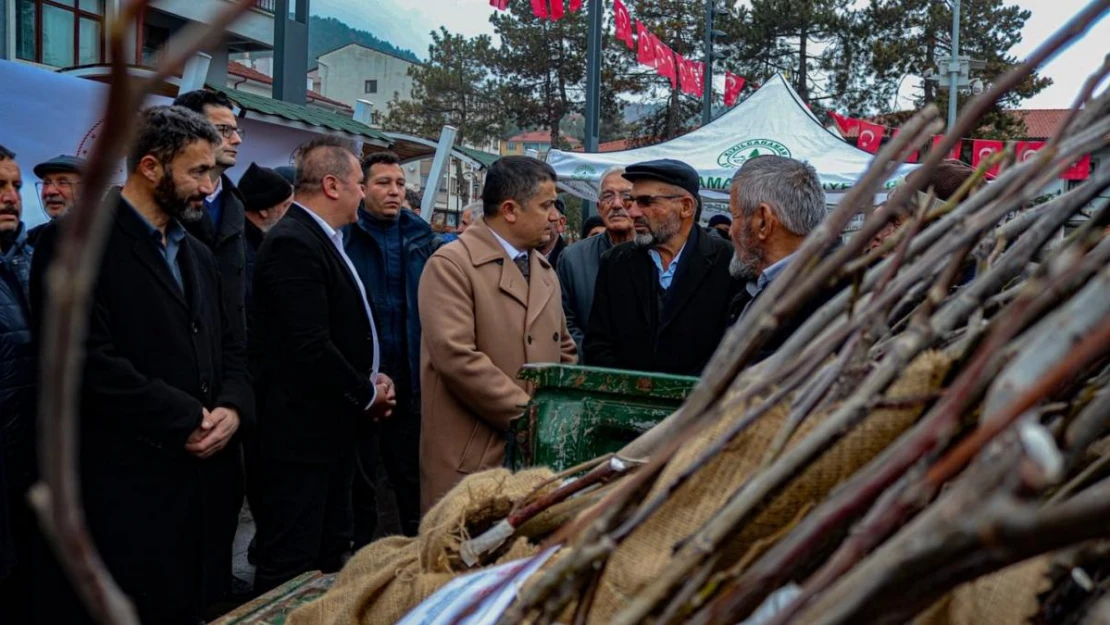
[
  {"x": 344, "y": 72},
  {"x": 255, "y": 25}
]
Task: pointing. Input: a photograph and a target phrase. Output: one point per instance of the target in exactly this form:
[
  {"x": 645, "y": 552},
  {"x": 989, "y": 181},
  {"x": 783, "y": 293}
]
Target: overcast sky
[{"x": 407, "y": 23}]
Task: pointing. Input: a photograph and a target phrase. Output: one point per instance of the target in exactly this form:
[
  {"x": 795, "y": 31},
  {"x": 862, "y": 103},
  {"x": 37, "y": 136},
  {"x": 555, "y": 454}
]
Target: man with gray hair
[
  {"x": 578, "y": 265},
  {"x": 775, "y": 203}
]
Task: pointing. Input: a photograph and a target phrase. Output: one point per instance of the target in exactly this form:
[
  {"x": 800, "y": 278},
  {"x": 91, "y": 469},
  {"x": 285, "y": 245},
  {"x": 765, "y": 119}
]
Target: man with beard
[
  {"x": 661, "y": 301},
  {"x": 164, "y": 387},
  {"x": 59, "y": 188},
  {"x": 775, "y": 203},
  {"x": 578, "y": 266},
  {"x": 17, "y": 399}
]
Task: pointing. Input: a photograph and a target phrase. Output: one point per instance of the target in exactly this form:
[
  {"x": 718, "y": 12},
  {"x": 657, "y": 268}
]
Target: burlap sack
[
  {"x": 389, "y": 577},
  {"x": 647, "y": 551},
  {"x": 1008, "y": 597}
]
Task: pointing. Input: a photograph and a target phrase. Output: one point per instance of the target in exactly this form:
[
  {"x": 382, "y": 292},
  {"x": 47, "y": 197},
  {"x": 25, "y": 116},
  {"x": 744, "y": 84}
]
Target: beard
[
  {"x": 177, "y": 206},
  {"x": 746, "y": 261},
  {"x": 661, "y": 234}
]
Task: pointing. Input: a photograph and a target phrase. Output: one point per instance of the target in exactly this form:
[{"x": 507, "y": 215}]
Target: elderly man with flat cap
[
  {"x": 661, "y": 302},
  {"x": 59, "y": 187}
]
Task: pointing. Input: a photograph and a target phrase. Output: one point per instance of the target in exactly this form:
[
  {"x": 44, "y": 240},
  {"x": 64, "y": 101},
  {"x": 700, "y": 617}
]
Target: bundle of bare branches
[{"x": 942, "y": 418}]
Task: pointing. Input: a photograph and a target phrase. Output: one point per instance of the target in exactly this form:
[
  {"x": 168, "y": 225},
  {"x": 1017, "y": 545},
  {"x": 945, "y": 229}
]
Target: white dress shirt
[
  {"x": 336, "y": 238},
  {"x": 509, "y": 249}
]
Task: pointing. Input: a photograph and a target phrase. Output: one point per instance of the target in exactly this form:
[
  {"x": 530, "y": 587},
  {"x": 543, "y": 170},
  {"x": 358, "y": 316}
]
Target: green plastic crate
[{"x": 579, "y": 413}]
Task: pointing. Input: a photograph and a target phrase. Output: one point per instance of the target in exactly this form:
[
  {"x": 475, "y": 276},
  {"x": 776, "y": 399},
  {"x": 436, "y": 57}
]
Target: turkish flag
[
  {"x": 500, "y": 5},
  {"x": 685, "y": 80},
  {"x": 1027, "y": 150},
  {"x": 666, "y": 63},
  {"x": 557, "y": 9},
  {"x": 955, "y": 154},
  {"x": 1080, "y": 170},
  {"x": 698, "y": 71},
  {"x": 870, "y": 136},
  {"x": 539, "y": 9},
  {"x": 913, "y": 157},
  {"x": 623, "y": 22},
  {"x": 646, "y": 46},
  {"x": 573, "y": 5},
  {"x": 845, "y": 124},
  {"x": 982, "y": 149},
  {"x": 733, "y": 86}
]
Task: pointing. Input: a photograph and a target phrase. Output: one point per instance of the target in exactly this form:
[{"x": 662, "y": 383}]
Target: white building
[{"x": 356, "y": 72}]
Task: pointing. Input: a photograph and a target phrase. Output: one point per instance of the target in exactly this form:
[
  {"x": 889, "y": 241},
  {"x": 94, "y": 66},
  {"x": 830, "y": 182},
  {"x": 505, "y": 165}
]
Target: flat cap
[
  {"x": 60, "y": 164},
  {"x": 669, "y": 171}
]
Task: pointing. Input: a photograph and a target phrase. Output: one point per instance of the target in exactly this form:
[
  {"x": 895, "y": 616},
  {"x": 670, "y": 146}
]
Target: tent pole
[{"x": 593, "y": 87}]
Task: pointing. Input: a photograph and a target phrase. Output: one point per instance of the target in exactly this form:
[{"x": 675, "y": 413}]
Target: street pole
[
  {"x": 593, "y": 86},
  {"x": 954, "y": 66},
  {"x": 707, "y": 96}
]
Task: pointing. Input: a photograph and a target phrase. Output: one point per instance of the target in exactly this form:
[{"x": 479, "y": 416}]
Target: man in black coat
[
  {"x": 164, "y": 386},
  {"x": 775, "y": 203},
  {"x": 661, "y": 302},
  {"x": 315, "y": 347}
]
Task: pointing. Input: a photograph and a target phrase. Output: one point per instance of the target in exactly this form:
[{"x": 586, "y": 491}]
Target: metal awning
[
  {"x": 288, "y": 114},
  {"x": 415, "y": 148}
]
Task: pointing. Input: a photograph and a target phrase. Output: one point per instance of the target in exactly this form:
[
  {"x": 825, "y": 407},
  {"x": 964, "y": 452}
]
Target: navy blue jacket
[
  {"x": 17, "y": 362},
  {"x": 419, "y": 242}
]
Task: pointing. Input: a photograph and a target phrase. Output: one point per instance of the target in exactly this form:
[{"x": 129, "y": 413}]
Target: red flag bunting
[
  {"x": 982, "y": 149},
  {"x": 845, "y": 124},
  {"x": 574, "y": 5},
  {"x": 666, "y": 64},
  {"x": 500, "y": 5},
  {"x": 870, "y": 136},
  {"x": 733, "y": 86},
  {"x": 623, "y": 20},
  {"x": 539, "y": 9},
  {"x": 557, "y": 10},
  {"x": 698, "y": 70},
  {"x": 955, "y": 154},
  {"x": 1081, "y": 170},
  {"x": 1027, "y": 150},
  {"x": 913, "y": 157},
  {"x": 685, "y": 80},
  {"x": 646, "y": 47}
]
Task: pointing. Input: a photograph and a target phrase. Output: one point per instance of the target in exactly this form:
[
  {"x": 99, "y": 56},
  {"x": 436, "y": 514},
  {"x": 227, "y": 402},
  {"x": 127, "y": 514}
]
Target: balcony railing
[{"x": 266, "y": 5}]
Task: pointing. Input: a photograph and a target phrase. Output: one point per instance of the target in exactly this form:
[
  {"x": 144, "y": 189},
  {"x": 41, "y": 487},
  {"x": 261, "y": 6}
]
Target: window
[
  {"x": 512, "y": 145},
  {"x": 62, "y": 33},
  {"x": 371, "y": 86}
]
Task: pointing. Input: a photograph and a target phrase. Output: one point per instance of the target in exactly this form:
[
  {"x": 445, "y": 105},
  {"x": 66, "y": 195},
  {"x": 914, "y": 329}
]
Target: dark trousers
[
  {"x": 304, "y": 523},
  {"x": 15, "y": 587},
  {"x": 394, "y": 443}
]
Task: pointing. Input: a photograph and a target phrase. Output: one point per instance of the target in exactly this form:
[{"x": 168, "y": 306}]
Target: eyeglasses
[
  {"x": 643, "y": 201},
  {"x": 226, "y": 131},
  {"x": 61, "y": 185},
  {"x": 609, "y": 196}
]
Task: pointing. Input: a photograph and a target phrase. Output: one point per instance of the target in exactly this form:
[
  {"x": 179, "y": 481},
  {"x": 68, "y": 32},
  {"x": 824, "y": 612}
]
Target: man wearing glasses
[
  {"x": 578, "y": 264},
  {"x": 59, "y": 185},
  {"x": 661, "y": 303}
]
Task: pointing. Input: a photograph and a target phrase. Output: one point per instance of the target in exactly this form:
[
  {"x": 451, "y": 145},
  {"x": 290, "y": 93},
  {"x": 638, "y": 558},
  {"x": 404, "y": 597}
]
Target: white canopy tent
[{"x": 772, "y": 120}]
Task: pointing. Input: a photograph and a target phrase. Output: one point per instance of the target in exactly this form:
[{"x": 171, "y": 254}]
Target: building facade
[{"x": 356, "y": 72}]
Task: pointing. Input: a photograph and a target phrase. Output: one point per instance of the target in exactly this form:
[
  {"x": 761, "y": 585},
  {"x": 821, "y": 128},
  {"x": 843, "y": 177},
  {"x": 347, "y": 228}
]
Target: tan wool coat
[{"x": 481, "y": 322}]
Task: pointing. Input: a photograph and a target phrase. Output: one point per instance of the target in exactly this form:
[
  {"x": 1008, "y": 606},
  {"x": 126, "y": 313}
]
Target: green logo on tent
[
  {"x": 737, "y": 154},
  {"x": 584, "y": 172}
]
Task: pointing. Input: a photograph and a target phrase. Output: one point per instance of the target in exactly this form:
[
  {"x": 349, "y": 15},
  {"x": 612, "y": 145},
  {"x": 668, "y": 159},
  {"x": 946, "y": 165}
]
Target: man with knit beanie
[{"x": 266, "y": 197}]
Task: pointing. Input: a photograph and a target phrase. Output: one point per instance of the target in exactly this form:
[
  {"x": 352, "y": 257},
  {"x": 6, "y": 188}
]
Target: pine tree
[{"x": 453, "y": 88}]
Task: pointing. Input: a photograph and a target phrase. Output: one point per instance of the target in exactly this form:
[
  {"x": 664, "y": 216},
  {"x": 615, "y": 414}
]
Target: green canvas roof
[
  {"x": 485, "y": 158},
  {"x": 301, "y": 113}
]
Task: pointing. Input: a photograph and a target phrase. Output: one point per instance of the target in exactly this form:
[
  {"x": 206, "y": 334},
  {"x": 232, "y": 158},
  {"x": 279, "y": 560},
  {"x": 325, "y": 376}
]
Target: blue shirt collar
[
  {"x": 770, "y": 273},
  {"x": 174, "y": 231},
  {"x": 666, "y": 276}
]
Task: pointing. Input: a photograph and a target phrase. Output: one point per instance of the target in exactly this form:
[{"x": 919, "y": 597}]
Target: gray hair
[
  {"x": 619, "y": 169},
  {"x": 475, "y": 211},
  {"x": 790, "y": 187}
]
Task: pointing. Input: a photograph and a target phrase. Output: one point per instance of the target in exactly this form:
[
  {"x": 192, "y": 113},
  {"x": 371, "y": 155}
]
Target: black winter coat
[
  {"x": 311, "y": 345},
  {"x": 629, "y": 329},
  {"x": 17, "y": 364},
  {"x": 155, "y": 356}
]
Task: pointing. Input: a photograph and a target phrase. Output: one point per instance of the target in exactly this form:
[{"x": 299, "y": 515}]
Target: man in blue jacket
[{"x": 389, "y": 247}]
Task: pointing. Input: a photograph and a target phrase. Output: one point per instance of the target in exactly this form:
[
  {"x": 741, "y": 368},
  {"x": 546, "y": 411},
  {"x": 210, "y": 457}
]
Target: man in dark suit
[
  {"x": 661, "y": 302},
  {"x": 164, "y": 386},
  {"x": 315, "y": 347}
]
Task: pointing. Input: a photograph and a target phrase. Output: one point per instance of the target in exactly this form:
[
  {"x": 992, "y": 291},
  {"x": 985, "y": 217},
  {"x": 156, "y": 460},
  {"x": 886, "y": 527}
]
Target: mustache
[{"x": 8, "y": 209}]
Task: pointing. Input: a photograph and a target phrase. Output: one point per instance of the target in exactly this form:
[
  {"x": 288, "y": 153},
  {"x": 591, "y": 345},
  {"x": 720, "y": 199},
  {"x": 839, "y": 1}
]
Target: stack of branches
[{"x": 939, "y": 419}]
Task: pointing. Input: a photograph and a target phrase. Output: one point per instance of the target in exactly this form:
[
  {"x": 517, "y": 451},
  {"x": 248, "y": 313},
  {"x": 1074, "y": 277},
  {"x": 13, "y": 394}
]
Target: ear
[
  {"x": 330, "y": 187},
  {"x": 689, "y": 207},
  {"x": 765, "y": 222},
  {"x": 509, "y": 211},
  {"x": 264, "y": 214},
  {"x": 151, "y": 168}
]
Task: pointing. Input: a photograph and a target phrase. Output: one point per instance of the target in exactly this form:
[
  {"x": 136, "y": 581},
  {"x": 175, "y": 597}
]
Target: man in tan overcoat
[{"x": 489, "y": 303}]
